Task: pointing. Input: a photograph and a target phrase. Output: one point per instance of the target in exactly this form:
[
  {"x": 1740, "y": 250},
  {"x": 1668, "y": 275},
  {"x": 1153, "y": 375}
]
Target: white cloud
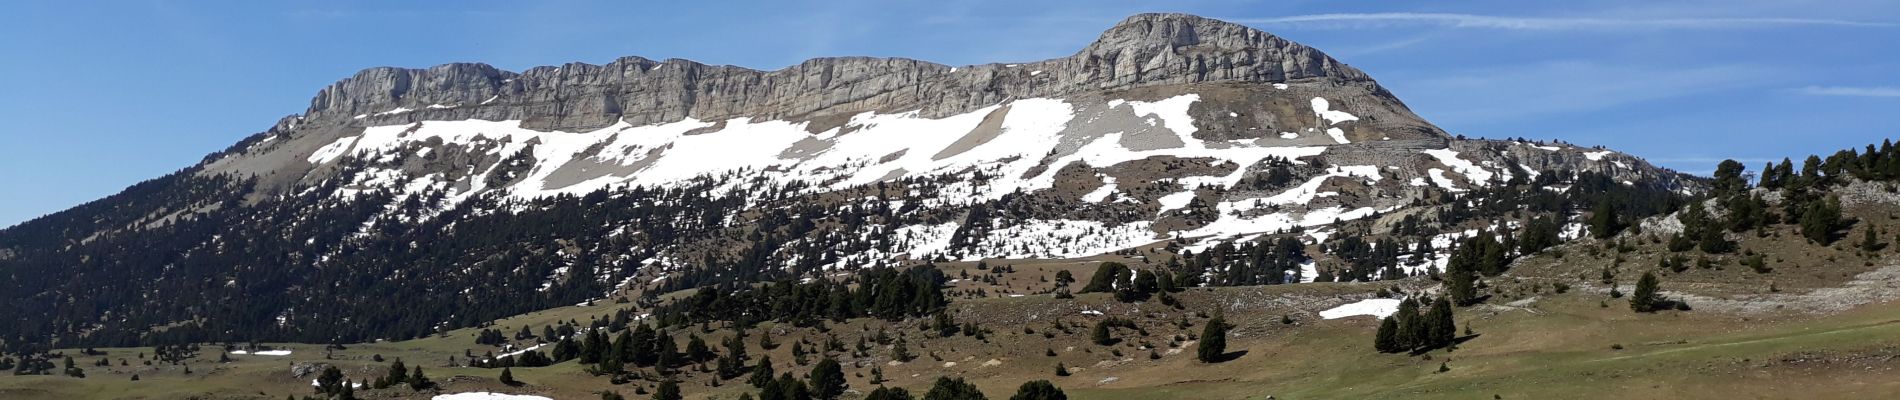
[
  {"x": 1863, "y": 91},
  {"x": 1548, "y": 23}
]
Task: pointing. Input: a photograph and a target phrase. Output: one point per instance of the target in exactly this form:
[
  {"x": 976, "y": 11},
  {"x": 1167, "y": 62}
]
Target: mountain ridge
[{"x": 1145, "y": 49}]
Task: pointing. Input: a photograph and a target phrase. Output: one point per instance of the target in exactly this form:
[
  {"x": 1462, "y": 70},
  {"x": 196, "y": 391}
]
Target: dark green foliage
[
  {"x": 1105, "y": 277},
  {"x": 732, "y": 362},
  {"x": 886, "y": 393},
  {"x": 1387, "y": 338},
  {"x": 1213, "y": 346},
  {"x": 887, "y": 293},
  {"x": 418, "y": 381},
  {"x": 827, "y": 380},
  {"x": 1821, "y": 220},
  {"x": 330, "y": 381},
  {"x": 508, "y": 377},
  {"x": 761, "y": 373},
  {"x": 1039, "y": 390},
  {"x": 1410, "y": 330},
  {"x": 785, "y": 387},
  {"x": 668, "y": 390},
  {"x": 953, "y": 389},
  {"x": 1646, "y": 298},
  {"x": 1603, "y": 220}
]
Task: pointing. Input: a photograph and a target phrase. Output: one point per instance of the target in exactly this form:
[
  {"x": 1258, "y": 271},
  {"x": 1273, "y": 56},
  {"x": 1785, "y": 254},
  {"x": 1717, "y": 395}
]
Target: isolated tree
[
  {"x": 1646, "y": 299},
  {"x": 1039, "y": 390},
  {"x": 1213, "y": 346},
  {"x": 1728, "y": 179},
  {"x": 1064, "y": 278},
  {"x": 330, "y": 381},
  {"x": 827, "y": 380},
  {"x": 508, "y": 377},
  {"x": 1101, "y": 334}
]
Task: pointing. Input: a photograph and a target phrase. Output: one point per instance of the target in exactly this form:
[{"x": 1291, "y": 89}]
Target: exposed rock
[{"x": 1146, "y": 49}]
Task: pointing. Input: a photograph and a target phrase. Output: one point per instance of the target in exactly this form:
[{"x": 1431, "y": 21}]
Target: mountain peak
[{"x": 1207, "y": 43}]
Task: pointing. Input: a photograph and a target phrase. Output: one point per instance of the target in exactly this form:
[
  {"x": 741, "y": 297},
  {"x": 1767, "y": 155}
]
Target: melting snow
[
  {"x": 1374, "y": 307},
  {"x": 1337, "y": 135},
  {"x": 1325, "y": 111},
  {"x": 1596, "y": 155}
]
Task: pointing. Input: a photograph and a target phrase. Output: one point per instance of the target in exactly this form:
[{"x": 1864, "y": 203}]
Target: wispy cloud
[
  {"x": 1549, "y": 23},
  {"x": 1862, "y": 91}
]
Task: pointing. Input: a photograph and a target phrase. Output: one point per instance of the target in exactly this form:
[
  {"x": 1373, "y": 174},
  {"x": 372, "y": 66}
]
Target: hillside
[{"x": 1184, "y": 208}]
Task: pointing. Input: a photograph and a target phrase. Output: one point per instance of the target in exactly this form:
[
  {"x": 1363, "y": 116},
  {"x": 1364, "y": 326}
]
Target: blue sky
[{"x": 100, "y": 95}]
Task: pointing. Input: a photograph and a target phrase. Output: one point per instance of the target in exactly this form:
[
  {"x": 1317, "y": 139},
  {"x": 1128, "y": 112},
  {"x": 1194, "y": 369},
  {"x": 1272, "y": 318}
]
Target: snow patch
[
  {"x": 1325, "y": 111},
  {"x": 1374, "y": 307}
]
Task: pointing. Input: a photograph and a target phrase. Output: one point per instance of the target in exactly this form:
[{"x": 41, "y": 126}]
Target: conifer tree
[
  {"x": 1387, "y": 339},
  {"x": 1213, "y": 346},
  {"x": 827, "y": 380},
  {"x": 1039, "y": 390},
  {"x": 669, "y": 390},
  {"x": 1410, "y": 335},
  {"x": 887, "y": 393},
  {"x": 953, "y": 389},
  {"x": 1439, "y": 324},
  {"x": 508, "y": 377},
  {"x": 1646, "y": 298},
  {"x": 761, "y": 373}
]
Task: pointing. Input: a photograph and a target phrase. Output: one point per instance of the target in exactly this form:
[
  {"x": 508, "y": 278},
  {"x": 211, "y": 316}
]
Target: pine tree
[
  {"x": 953, "y": 389},
  {"x": 1646, "y": 298},
  {"x": 1213, "y": 346},
  {"x": 1039, "y": 390},
  {"x": 886, "y": 393},
  {"x": 668, "y": 390},
  {"x": 1603, "y": 221},
  {"x": 508, "y": 377},
  {"x": 1101, "y": 334},
  {"x": 396, "y": 375},
  {"x": 827, "y": 380},
  {"x": 1439, "y": 325},
  {"x": 418, "y": 381},
  {"x": 761, "y": 373},
  {"x": 330, "y": 381},
  {"x": 1410, "y": 335},
  {"x": 1387, "y": 340}
]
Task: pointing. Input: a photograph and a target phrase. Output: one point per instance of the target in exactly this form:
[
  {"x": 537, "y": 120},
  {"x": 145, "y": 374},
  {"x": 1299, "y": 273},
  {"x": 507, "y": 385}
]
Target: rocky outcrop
[{"x": 1144, "y": 50}]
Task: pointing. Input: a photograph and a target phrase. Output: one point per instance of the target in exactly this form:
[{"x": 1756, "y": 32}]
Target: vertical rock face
[{"x": 1144, "y": 50}]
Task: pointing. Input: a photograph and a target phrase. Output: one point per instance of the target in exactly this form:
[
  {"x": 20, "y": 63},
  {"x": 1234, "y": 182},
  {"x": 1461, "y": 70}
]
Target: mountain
[{"x": 457, "y": 194}]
